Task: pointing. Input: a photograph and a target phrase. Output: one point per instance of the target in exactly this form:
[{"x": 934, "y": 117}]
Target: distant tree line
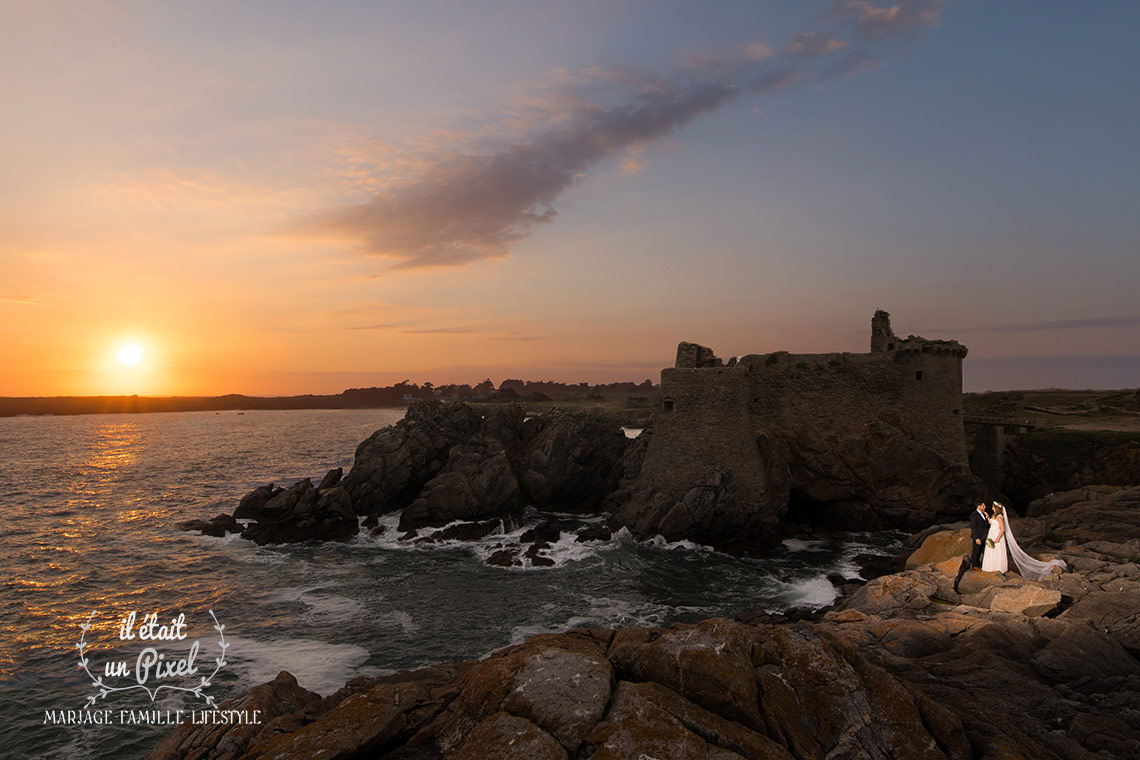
[{"x": 398, "y": 394}]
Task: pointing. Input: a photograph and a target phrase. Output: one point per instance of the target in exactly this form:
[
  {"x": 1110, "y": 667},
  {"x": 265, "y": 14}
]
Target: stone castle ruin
[{"x": 839, "y": 439}]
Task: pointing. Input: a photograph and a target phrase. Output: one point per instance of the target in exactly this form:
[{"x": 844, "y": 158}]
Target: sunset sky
[{"x": 289, "y": 197}]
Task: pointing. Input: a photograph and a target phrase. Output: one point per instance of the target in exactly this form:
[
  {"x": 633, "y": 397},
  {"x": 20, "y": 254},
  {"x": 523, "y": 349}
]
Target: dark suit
[{"x": 979, "y": 527}]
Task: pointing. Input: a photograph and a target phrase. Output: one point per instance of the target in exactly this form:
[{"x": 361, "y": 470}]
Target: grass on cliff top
[
  {"x": 1060, "y": 443},
  {"x": 627, "y": 413},
  {"x": 1117, "y": 410}
]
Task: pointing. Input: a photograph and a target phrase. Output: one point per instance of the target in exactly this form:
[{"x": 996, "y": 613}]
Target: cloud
[
  {"x": 444, "y": 331},
  {"x": 634, "y": 161},
  {"x": 758, "y": 51},
  {"x": 474, "y": 199},
  {"x": 9, "y": 296},
  {"x": 814, "y": 44},
  {"x": 1063, "y": 324},
  {"x": 874, "y": 22},
  {"x": 170, "y": 188},
  {"x": 382, "y": 326},
  {"x": 474, "y": 206}
]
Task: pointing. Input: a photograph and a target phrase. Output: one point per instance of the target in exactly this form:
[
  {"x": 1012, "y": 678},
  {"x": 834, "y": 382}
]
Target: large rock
[
  {"x": 507, "y": 737},
  {"x": 572, "y": 462},
  {"x": 976, "y": 581},
  {"x": 940, "y": 547},
  {"x": 1115, "y": 610},
  {"x": 821, "y": 698},
  {"x": 281, "y": 697},
  {"x": 394, "y": 463},
  {"x": 1014, "y": 685},
  {"x": 1084, "y": 654},
  {"x": 562, "y": 461},
  {"x": 302, "y": 513},
  {"x": 252, "y": 503},
  {"x": 1052, "y": 502},
  {"x": 1027, "y": 600},
  {"x": 477, "y": 483},
  {"x": 708, "y": 663},
  {"x": 892, "y": 594},
  {"x": 561, "y": 684},
  {"x": 648, "y": 720},
  {"x": 1115, "y": 517}
]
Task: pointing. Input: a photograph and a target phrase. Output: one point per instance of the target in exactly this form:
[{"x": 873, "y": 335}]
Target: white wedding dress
[{"x": 994, "y": 560}]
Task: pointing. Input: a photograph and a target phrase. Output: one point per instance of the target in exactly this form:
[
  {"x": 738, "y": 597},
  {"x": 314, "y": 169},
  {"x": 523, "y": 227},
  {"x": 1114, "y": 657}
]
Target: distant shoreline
[
  {"x": 75, "y": 405},
  {"x": 613, "y": 397}
]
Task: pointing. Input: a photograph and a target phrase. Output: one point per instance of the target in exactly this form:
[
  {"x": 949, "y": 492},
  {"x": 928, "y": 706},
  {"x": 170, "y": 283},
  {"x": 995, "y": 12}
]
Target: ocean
[{"x": 90, "y": 511}]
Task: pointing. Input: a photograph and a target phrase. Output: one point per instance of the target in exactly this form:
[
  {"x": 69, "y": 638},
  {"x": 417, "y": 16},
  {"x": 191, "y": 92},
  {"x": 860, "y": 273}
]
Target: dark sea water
[{"x": 89, "y": 506}]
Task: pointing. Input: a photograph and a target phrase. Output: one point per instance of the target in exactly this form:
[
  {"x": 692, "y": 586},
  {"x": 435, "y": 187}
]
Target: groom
[{"x": 979, "y": 527}]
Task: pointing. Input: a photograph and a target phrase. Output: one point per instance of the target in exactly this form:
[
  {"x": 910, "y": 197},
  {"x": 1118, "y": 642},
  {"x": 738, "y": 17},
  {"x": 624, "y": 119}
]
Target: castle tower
[
  {"x": 704, "y": 475},
  {"x": 882, "y": 336}
]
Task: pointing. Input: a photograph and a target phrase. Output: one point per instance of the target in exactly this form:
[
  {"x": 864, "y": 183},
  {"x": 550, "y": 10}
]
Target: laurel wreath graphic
[{"x": 105, "y": 689}]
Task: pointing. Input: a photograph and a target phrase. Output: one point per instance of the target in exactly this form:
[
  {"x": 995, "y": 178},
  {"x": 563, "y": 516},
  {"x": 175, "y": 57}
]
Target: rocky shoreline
[{"x": 926, "y": 662}]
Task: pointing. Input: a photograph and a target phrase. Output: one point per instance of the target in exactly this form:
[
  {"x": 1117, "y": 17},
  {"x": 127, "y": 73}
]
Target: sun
[{"x": 130, "y": 354}]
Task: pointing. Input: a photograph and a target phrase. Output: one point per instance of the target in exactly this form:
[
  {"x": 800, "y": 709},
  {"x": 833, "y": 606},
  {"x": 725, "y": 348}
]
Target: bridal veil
[{"x": 1033, "y": 569}]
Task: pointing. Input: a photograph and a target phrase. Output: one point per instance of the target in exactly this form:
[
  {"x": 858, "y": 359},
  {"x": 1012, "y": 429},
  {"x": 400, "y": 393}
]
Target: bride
[{"x": 995, "y": 558}]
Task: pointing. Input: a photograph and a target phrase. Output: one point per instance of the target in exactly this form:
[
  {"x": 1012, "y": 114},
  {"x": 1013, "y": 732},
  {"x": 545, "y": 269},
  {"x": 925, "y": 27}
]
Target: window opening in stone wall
[
  {"x": 668, "y": 405},
  {"x": 890, "y": 346},
  {"x": 918, "y": 375}
]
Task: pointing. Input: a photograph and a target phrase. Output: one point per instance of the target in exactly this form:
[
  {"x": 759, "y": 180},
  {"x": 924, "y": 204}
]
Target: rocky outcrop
[
  {"x": 717, "y": 689},
  {"x": 564, "y": 461},
  {"x": 443, "y": 463},
  {"x": 217, "y": 527},
  {"x": 1047, "y": 461},
  {"x": 477, "y": 482},
  {"x": 281, "y": 703},
  {"x": 957, "y": 683},
  {"x": 941, "y": 546},
  {"x": 807, "y": 478},
  {"x": 1112, "y": 517},
  {"x": 302, "y": 512},
  {"x": 872, "y": 476},
  {"x": 917, "y": 664},
  {"x": 572, "y": 462},
  {"x": 393, "y": 465},
  {"x": 288, "y": 515},
  {"x": 1060, "y": 500}
]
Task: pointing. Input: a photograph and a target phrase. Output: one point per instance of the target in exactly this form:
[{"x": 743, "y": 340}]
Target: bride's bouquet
[{"x": 990, "y": 543}]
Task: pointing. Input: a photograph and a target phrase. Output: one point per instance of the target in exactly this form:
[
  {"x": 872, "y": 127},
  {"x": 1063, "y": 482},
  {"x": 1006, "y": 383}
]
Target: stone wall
[
  {"x": 918, "y": 392},
  {"x": 704, "y": 424}
]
